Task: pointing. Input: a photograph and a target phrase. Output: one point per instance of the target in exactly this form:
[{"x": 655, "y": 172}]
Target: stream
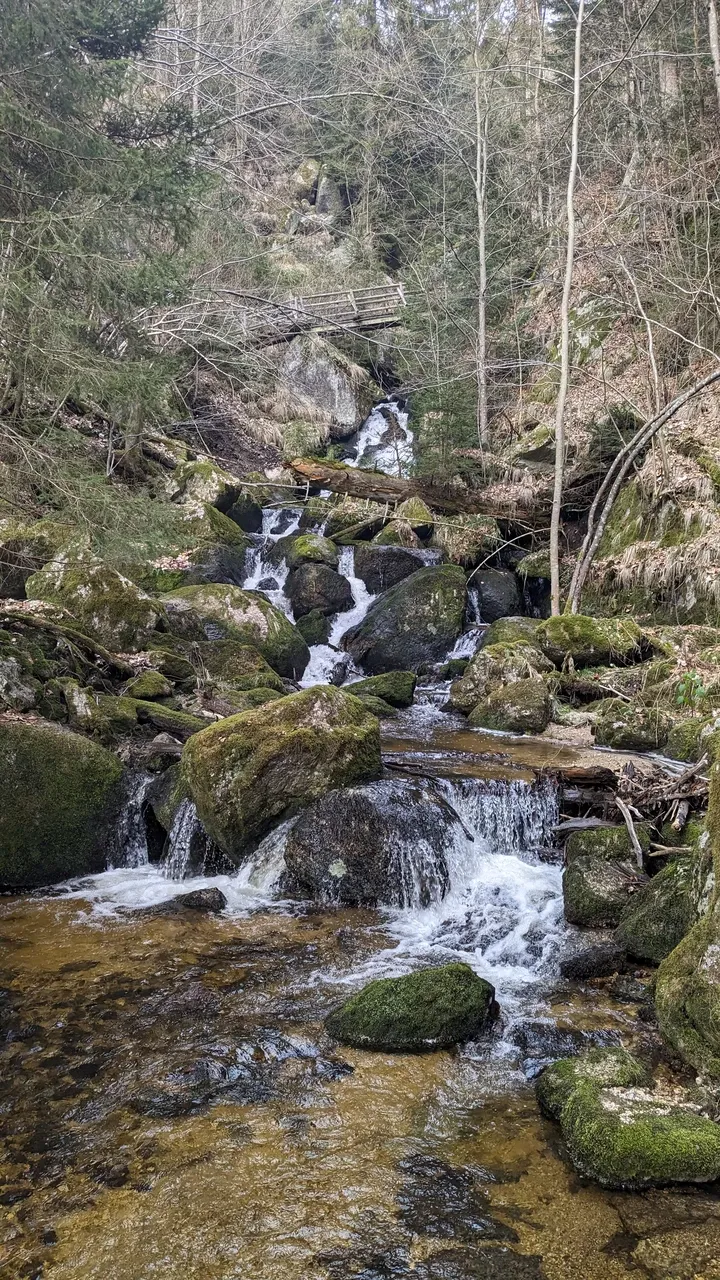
[{"x": 174, "y": 1110}]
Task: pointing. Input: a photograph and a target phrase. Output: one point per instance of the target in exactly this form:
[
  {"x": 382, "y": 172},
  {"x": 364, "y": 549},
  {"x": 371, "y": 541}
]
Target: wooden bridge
[{"x": 232, "y": 319}]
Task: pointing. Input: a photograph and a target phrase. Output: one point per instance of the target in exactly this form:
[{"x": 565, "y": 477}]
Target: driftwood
[{"x": 377, "y": 487}]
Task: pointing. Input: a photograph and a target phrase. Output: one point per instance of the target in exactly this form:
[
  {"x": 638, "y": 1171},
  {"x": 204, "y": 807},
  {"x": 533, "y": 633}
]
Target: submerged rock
[
  {"x": 106, "y": 605},
  {"x": 598, "y": 961},
  {"x": 254, "y": 769},
  {"x": 61, "y": 794},
  {"x": 227, "y": 612},
  {"x": 210, "y": 900},
  {"x": 413, "y": 623},
  {"x": 590, "y": 642},
  {"x": 525, "y": 706},
  {"x": 381, "y": 843},
  {"x": 628, "y": 726},
  {"x": 424, "y": 1011},
  {"x": 314, "y": 587}
]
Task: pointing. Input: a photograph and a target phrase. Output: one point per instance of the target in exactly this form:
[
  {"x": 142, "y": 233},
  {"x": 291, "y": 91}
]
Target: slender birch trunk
[
  {"x": 481, "y": 135},
  {"x": 714, "y": 33},
  {"x": 565, "y": 327}
]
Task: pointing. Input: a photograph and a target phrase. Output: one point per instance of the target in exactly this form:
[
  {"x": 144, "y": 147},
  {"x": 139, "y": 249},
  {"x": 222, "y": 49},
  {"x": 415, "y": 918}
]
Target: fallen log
[{"x": 353, "y": 482}]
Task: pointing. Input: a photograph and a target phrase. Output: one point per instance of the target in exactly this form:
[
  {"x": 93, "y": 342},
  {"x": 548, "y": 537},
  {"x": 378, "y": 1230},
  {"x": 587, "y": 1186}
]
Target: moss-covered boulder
[
  {"x": 61, "y": 794},
  {"x": 689, "y": 739},
  {"x": 312, "y": 548},
  {"x": 590, "y": 642},
  {"x": 181, "y": 724},
  {"x": 635, "y": 1138},
  {"x": 398, "y": 533},
  {"x": 629, "y": 726},
  {"x": 428, "y": 1010},
  {"x": 230, "y": 664},
  {"x": 246, "y": 513},
  {"x": 493, "y": 666},
  {"x": 107, "y": 605},
  {"x": 202, "y": 482},
  {"x": 24, "y": 548},
  {"x": 165, "y": 795},
  {"x": 607, "y": 1068},
  {"x": 237, "y": 700},
  {"x": 395, "y": 687},
  {"x": 511, "y": 631},
  {"x": 377, "y": 706},
  {"x": 534, "y": 565},
  {"x": 254, "y": 769},
  {"x": 611, "y": 844},
  {"x": 417, "y": 514},
  {"x": 413, "y": 623},
  {"x": 660, "y": 915},
  {"x": 525, "y": 706},
  {"x": 149, "y": 684},
  {"x": 596, "y": 890},
  {"x": 227, "y": 612},
  {"x": 317, "y": 587},
  {"x": 314, "y": 627},
  {"x": 174, "y": 665},
  {"x": 466, "y": 540}
]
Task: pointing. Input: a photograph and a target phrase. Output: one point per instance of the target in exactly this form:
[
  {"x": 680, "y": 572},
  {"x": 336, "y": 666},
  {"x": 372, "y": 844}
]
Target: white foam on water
[
  {"x": 394, "y": 457},
  {"x": 324, "y": 657},
  {"x": 278, "y": 522}
]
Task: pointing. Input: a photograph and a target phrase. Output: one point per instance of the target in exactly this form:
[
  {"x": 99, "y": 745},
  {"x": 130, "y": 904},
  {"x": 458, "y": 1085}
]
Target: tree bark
[
  {"x": 714, "y": 34},
  {"x": 565, "y": 327},
  {"x": 481, "y": 137}
]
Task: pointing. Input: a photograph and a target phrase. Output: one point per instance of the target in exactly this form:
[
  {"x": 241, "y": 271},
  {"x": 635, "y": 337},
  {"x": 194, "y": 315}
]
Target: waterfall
[
  {"x": 383, "y": 445},
  {"x": 129, "y": 842},
  {"x": 186, "y": 835},
  {"x": 511, "y": 817},
  {"x": 324, "y": 657},
  {"x": 262, "y": 568}
]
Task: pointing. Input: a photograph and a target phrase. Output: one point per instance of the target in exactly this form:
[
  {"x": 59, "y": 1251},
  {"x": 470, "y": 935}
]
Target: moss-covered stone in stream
[
  {"x": 534, "y": 565},
  {"x": 383, "y": 710},
  {"x": 314, "y": 627},
  {"x": 525, "y": 706},
  {"x": 691, "y": 738},
  {"x": 634, "y": 1138},
  {"x": 149, "y": 684},
  {"x": 590, "y": 642},
  {"x": 165, "y": 795},
  {"x": 612, "y": 844},
  {"x": 495, "y": 665},
  {"x": 602, "y": 1068},
  {"x": 106, "y": 605},
  {"x": 252, "y": 770},
  {"x": 660, "y": 915},
  {"x": 61, "y": 794},
  {"x": 398, "y": 533},
  {"x": 417, "y": 514},
  {"x": 395, "y": 687},
  {"x": 629, "y": 726},
  {"x": 226, "y": 612},
  {"x": 424, "y": 1011},
  {"x": 413, "y": 623},
  {"x": 234, "y": 665},
  {"x": 312, "y": 548},
  {"x": 511, "y": 631},
  {"x": 596, "y": 890}
]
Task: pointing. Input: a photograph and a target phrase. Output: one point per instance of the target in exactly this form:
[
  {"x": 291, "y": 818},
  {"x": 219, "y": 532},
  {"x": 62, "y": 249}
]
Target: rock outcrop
[{"x": 412, "y": 624}]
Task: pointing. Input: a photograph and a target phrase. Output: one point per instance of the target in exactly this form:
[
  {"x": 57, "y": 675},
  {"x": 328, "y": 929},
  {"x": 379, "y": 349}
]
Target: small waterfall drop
[
  {"x": 129, "y": 844},
  {"x": 324, "y": 657},
  {"x": 185, "y": 832},
  {"x": 268, "y": 573},
  {"x": 385, "y": 444}
]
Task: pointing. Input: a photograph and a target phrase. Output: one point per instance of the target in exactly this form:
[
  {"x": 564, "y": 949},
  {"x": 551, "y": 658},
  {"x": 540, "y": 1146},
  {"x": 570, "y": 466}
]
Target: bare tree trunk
[
  {"x": 565, "y": 327},
  {"x": 714, "y": 33},
  {"x": 196, "y": 60},
  {"x": 481, "y": 135}
]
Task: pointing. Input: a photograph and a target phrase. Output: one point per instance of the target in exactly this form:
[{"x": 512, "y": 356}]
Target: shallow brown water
[{"x": 173, "y": 1111}]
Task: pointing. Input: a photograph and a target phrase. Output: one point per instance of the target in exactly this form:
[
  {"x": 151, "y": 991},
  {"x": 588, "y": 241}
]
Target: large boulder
[
  {"x": 428, "y": 1010},
  {"x": 24, "y": 549},
  {"x": 317, "y": 587},
  {"x": 629, "y": 726},
  {"x": 230, "y": 664},
  {"x": 493, "y": 666},
  {"x": 61, "y": 794},
  {"x": 525, "y": 706},
  {"x": 382, "y": 567},
  {"x": 316, "y": 374},
  {"x": 412, "y": 624},
  {"x": 596, "y": 891},
  {"x": 105, "y": 604},
  {"x": 499, "y": 595},
  {"x": 659, "y": 915},
  {"x": 252, "y": 770},
  {"x": 311, "y": 548},
  {"x": 216, "y": 612},
  {"x": 590, "y": 642},
  {"x": 382, "y": 843},
  {"x": 620, "y": 1131},
  {"x": 395, "y": 687}
]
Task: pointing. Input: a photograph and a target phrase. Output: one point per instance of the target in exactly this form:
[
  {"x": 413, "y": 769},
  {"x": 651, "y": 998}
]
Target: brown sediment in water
[{"x": 174, "y": 1111}]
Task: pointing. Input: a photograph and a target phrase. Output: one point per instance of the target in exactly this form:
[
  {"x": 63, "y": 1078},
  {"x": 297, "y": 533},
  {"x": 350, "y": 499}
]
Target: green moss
[
  {"x": 311, "y": 548},
  {"x": 106, "y": 605},
  {"x": 525, "y": 706},
  {"x": 661, "y": 914},
  {"x": 233, "y": 665},
  {"x": 417, "y": 514},
  {"x": 397, "y": 533},
  {"x": 689, "y": 739},
  {"x": 179, "y": 723},
  {"x": 252, "y": 770},
  {"x": 453, "y": 669},
  {"x": 174, "y": 666},
  {"x": 224, "y": 611},
  {"x": 535, "y": 565},
  {"x": 613, "y": 844},
  {"x": 377, "y": 706},
  {"x": 250, "y": 698},
  {"x": 424, "y": 1011},
  {"x": 413, "y": 623},
  {"x": 629, "y": 726},
  {"x": 510, "y": 630},
  {"x": 314, "y": 627},
  {"x": 166, "y": 794},
  {"x": 395, "y": 687},
  {"x": 61, "y": 795},
  {"x": 494, "y": 666},
  {"x": 634, "y": 1139},
  {"x": 149, "y": 684},
  {"x": 590, "y": 642},
  {"x": 596, "y": 890},
  {"x": 602, "y": 1068}
]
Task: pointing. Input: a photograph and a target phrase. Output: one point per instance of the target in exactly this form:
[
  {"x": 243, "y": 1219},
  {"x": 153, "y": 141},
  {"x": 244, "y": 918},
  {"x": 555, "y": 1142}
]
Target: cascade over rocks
[
  {"x": 428, "y": 1010},
  {"x": 216, "y": 612},
  {"x": 413, "y": 623},
  {"x": 61, "y": 795},
  {"x": 382, "y": 843},
  {"x": 252, "y": 770},
  {"x": 317, "y": 587}
]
